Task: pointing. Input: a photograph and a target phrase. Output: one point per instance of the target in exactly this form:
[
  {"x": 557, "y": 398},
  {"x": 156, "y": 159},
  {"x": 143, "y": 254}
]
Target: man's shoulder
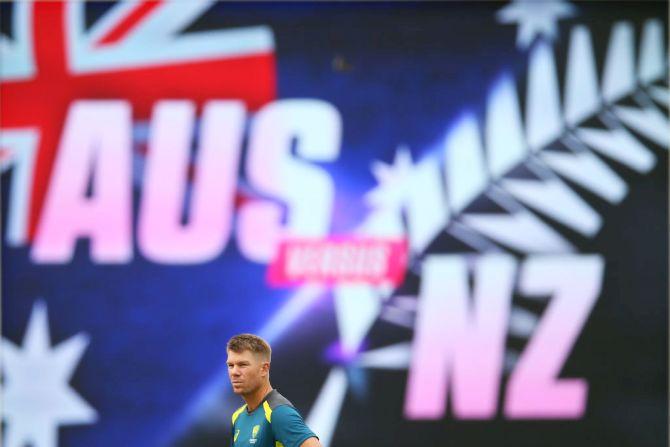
[
  {"x": 280, "y": 410},
  {"x": 287, "y": 424},
  {"x": 237, "y": 413},
  {"x": 275, "y": 400}
]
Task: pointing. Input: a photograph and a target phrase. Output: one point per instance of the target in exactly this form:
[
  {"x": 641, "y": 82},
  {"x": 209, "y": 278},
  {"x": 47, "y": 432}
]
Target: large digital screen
[{"x": 450, "y": 220}]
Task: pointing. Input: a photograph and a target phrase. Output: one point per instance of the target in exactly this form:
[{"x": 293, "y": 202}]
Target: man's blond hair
[{"x": 250, "y": 342}]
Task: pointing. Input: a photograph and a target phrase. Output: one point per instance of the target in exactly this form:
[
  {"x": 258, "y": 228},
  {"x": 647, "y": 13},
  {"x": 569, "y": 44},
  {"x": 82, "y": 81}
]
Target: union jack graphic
[{"x": 134, "y": 52}]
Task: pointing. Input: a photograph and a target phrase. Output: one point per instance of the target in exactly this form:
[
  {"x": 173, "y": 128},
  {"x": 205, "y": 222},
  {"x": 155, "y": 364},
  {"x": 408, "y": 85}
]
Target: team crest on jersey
[{"x": 254, "y": 433}]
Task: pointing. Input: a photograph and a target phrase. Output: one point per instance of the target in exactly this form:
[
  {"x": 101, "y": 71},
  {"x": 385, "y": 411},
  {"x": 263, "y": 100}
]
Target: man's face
[{"x": 247, "y": 371}]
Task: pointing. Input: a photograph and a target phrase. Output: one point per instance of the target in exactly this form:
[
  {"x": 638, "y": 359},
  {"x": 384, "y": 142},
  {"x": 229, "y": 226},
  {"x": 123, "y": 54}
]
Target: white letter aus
[
  {"x": 95, "y": 149},
  {"x": 314, "y": 128},
  {"x": 162, "y": 236}
]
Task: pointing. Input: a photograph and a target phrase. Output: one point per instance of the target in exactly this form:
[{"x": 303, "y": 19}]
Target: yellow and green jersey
[{"x": 275, "y": 423}]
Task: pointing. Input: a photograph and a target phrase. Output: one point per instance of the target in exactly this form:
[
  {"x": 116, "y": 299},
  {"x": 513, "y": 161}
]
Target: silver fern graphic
[{"x": 433, "y": 195}]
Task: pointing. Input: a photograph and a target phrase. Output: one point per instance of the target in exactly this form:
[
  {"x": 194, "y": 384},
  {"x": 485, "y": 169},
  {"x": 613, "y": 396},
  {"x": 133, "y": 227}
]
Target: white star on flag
[
  {"x": 535, "y": 17},
  {"x": 36, "y": 395},
  {"x": 392, "y": 181}
]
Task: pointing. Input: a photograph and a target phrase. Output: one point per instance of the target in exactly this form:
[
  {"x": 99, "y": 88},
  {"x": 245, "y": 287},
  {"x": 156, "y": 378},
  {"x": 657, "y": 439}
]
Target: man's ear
[{"x": 265, "y": 366}]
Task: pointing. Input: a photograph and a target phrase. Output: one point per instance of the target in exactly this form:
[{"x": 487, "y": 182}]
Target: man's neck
[{"x": 255, "y": 399}]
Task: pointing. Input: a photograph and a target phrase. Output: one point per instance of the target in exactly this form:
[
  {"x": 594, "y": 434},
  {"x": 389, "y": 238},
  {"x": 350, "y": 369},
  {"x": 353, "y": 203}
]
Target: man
[{"x": 267, "y": 419}]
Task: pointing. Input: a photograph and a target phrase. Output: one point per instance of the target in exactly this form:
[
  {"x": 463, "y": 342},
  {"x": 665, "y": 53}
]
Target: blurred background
[{"x": 162, "y": 163}]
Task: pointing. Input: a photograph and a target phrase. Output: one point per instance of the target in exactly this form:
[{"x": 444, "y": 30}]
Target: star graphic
[
  {"x": 535, "y": 17},
  {"x": 392, "y": 181},
  {"x": 36, "y": 394}
]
